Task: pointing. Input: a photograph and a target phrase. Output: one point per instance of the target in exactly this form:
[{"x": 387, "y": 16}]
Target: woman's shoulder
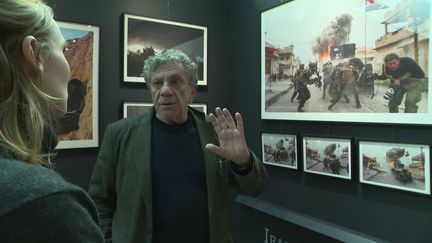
[{"x": 22, "y": 183}]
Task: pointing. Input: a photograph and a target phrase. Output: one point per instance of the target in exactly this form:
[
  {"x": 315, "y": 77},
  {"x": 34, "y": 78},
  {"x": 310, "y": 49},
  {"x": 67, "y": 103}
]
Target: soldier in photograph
[
  {"x": 309, "y": 76},
  {"x": 295, "y": 81},
  {"x": 406, "y": 77},
  {"x": 327, "y": 70},
  {"x": 345, "y": 80}
]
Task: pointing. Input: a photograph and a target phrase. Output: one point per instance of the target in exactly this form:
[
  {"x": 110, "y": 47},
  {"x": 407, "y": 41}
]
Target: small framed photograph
[
  {"x": 402, "y": 166},
  {"x": 200, "y": 106},
  {"x": 327, "y": 156},
  {"x": 79, "y": 127},
  {"x": 139, "y": 108},
  {"x": 144, "y": 37},
  {"x": 279, "y": 150}
]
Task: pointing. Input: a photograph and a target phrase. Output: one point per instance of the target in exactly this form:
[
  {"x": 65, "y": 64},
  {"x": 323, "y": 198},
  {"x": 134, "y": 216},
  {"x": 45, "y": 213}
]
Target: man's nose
[{"x": 166, "y": 89}]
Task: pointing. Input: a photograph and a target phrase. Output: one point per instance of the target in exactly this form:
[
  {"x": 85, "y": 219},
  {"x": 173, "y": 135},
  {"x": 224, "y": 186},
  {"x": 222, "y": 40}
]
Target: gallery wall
[
  {"x": 76, "y": 165},
  {"x": 234, "y": 81},
  {"x": 386, "y": 214}
]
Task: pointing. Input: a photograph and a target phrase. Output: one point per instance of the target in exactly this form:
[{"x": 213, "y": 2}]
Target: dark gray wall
[{"x": 382, "y": 213}]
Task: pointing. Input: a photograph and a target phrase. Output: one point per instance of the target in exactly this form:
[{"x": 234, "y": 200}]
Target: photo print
[
  {"x": 79, "y": 128},
  {"x": 144, "y": 37},
  {"x": 360, "y": 61},
  {"x": 279, "y": 150},
  {"x": 327, "y": 156},
  {"x": 139, "y": 108},
  {"x": 395, "y": 165}
]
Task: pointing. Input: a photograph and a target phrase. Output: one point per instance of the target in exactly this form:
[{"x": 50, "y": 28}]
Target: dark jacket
[
  {"x": 37, "y": 205},
  {"x": 121, "y": 181}
]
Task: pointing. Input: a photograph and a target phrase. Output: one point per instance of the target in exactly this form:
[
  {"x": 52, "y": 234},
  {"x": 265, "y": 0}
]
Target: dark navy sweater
[{"x": 180, "y": 208}]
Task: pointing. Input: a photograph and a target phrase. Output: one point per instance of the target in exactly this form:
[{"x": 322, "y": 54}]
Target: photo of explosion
[
  {"x": 334, "y": 62},
  {"x": 399, "y": 166},
  {"x": 327, "y": 156}
]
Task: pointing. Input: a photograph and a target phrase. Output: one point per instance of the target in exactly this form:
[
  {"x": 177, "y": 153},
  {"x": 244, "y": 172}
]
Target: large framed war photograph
[
  {"x": 327, "y": 156},
  {"x": 144, "y": 37},
  {"x": 279, "y": 150},
  {"x": 79, "y": 127},
  {"x": 402, "y": 166},
  {"x": 360, "y": 61}
]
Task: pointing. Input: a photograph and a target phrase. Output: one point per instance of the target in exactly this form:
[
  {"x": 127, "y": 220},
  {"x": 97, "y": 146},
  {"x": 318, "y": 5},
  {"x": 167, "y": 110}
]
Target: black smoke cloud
[{"x": 336, "y": 33}]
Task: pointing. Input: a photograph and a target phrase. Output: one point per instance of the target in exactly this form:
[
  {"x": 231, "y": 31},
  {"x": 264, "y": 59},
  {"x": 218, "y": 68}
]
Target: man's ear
[
  {"x": 194, "y": 92},
  {"x": 30, "y": 55}
]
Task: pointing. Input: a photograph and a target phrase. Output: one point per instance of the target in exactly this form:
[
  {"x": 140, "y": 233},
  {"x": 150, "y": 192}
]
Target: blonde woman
[{"x": 36, "y": 204}]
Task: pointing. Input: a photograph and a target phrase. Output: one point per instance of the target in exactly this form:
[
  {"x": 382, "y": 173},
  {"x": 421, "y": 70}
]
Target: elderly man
[
  {"x": 406, "y": 77},
  {"x": 165, "y": 176}
]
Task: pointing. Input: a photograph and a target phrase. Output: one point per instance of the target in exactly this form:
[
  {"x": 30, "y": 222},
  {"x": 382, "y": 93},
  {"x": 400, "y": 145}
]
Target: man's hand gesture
[{"x": 232, "y": 142}]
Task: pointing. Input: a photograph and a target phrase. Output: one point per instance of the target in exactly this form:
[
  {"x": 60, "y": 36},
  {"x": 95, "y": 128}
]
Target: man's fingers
[
  {"x": 224, "y": 120},
  {"x": 229, "y": 119},
  {"x": 214, "y": 121},
  {"x": 221, "y": 117},
  {"x": 214, "y": 149},
  {"x": 239, "y": 120}
]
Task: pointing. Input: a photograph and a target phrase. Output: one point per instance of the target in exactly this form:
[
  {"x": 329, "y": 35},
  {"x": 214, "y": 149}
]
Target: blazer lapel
[
  {"x": 206, "y": 135},
  {"x": 141, "y": 148}
]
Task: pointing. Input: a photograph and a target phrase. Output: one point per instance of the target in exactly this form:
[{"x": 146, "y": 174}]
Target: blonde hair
[{"x": 24, "y": 108}]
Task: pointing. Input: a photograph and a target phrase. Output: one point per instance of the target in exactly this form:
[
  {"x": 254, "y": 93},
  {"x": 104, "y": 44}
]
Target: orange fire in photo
[{"x": 325, "y": 54}]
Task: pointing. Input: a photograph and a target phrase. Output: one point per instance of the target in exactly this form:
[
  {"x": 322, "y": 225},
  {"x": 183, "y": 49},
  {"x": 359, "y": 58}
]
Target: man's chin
[{"x": 170, "y": 118}]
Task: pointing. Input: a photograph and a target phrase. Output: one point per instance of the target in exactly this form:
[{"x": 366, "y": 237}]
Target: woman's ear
[{"x": 31, "y": 57}]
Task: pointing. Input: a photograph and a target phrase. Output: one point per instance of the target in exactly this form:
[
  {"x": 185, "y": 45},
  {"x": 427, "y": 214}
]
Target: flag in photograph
[{"x": 372, "y": 5}]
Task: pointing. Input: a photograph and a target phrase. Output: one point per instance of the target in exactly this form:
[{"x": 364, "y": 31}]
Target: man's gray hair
[{"x": 170, "y": 56}]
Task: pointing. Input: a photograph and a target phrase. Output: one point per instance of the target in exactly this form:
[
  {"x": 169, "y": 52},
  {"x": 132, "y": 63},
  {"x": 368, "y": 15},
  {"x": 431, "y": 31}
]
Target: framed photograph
[
  {"x": 79, "y": 127},
  {"x": 403, "y": 166},
  {"x": 139, "y": 108},
  {"x": 144, "y": 37},
  {"x": 279, "y": 150},
  {"x": 331, "y": 68},
  {"x": 327, "y": 156}
]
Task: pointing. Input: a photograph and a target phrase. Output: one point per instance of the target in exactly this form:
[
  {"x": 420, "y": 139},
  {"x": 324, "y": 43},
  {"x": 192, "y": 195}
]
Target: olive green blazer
[{"x": 121, "y": 181}]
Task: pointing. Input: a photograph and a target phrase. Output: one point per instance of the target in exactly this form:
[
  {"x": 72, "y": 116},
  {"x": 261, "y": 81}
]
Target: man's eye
[
  {"x": 156, "y": 83},
  {"x": 176, "y": 81}
]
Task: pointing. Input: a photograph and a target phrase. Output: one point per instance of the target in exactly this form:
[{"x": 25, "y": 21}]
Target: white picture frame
[
  {"x": 82, "y": 52},
  {"x": 279, "y": 150},
  {"x": 396, "y": 165},
  {"x": 290, "y": 37},
  {"x": 143, "y": 37},
  {"x": 139, "y": 108},
  {"x": 329, "y": 156}
]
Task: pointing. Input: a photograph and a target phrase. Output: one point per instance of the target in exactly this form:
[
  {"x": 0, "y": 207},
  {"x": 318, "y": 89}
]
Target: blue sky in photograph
[{"x": 69, "y": 34}]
